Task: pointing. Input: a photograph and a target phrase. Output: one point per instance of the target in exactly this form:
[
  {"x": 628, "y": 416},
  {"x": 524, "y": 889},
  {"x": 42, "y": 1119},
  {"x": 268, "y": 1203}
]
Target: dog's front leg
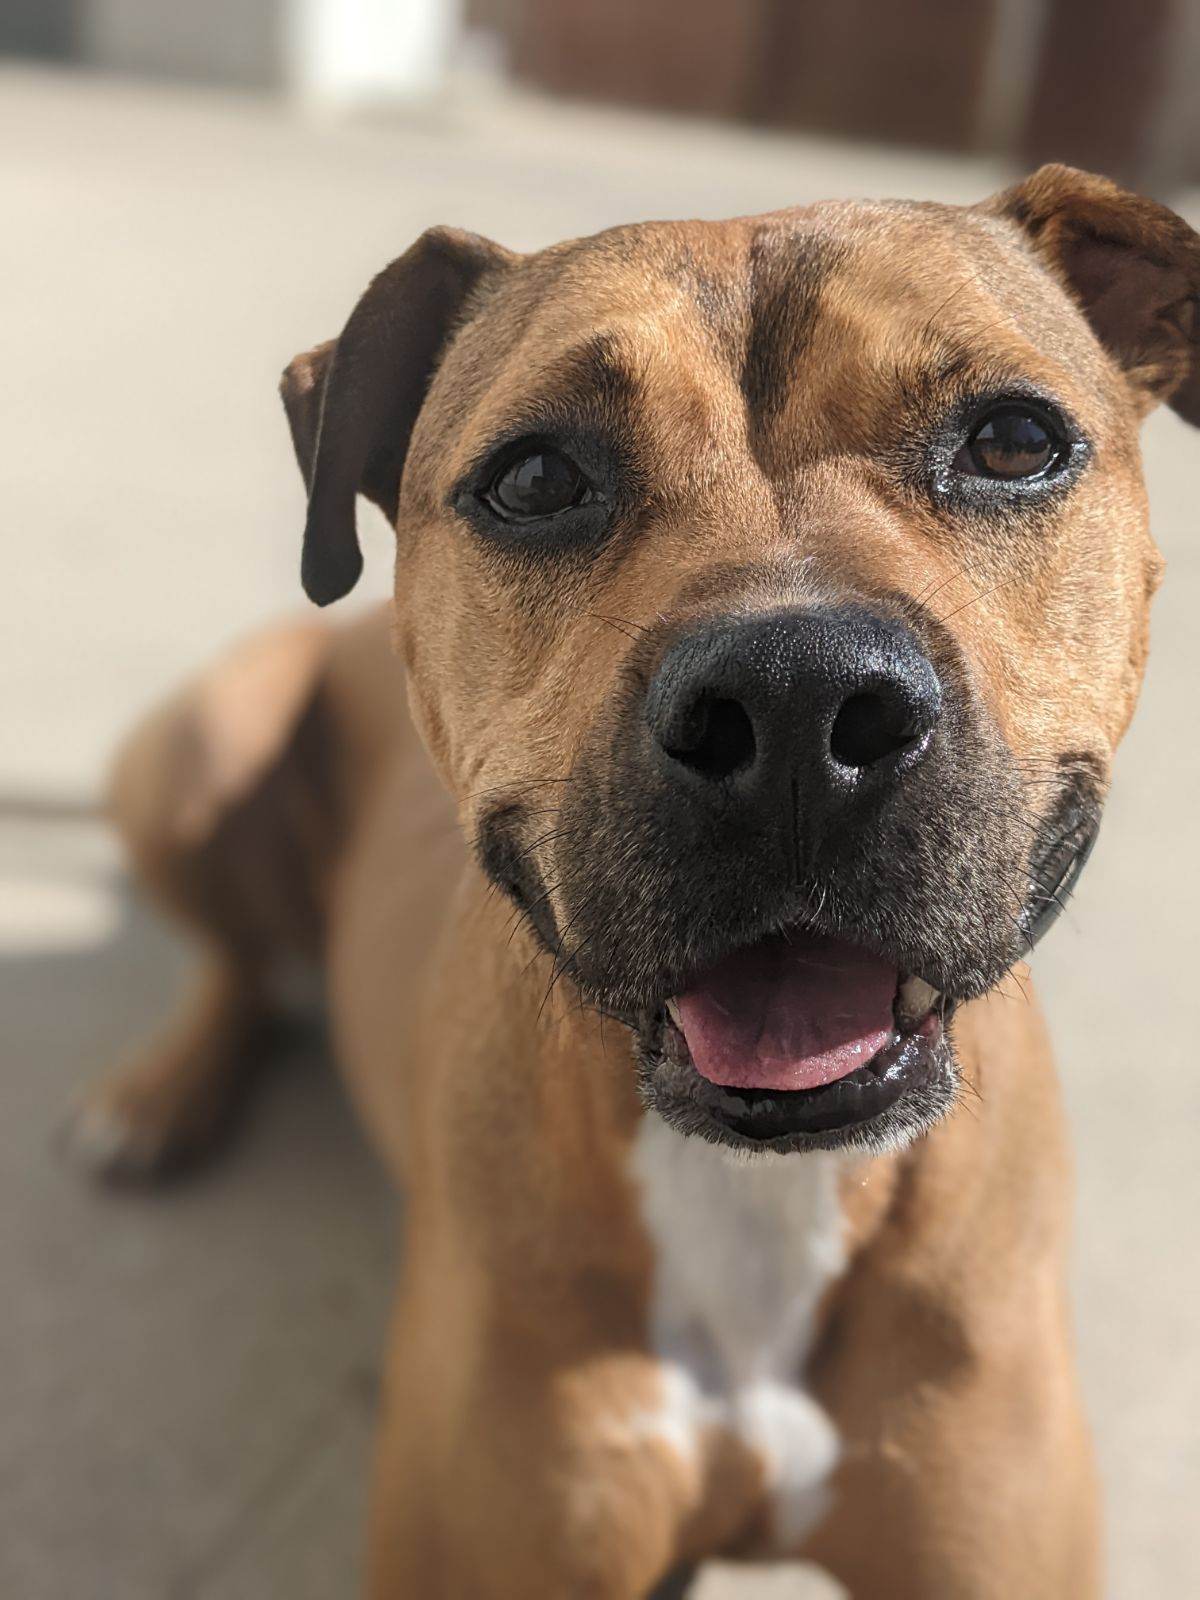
[
  {"x": 500, "y": 1473},
  {"x": 979, "y": 1489},
  {"x": 966, "y": 1470}
]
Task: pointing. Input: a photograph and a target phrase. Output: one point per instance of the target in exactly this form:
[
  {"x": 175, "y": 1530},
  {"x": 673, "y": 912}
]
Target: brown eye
[
  {"x": 1010, "y": 442},
  {"x": 538, "y": 485}
]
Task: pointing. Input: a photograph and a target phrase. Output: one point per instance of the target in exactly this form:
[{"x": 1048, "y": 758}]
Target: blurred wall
[
  {"x": 220, "y": 41},
  {"x": 1096, "y": 82},
  {"x": 1107, "y": 84},
  {"x": 40, "y": 28}
]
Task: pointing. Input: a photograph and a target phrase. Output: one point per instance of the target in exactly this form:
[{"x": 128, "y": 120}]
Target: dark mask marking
[
  {"x": 787, "y": 271},
  {"x": 511, "y": 867}
]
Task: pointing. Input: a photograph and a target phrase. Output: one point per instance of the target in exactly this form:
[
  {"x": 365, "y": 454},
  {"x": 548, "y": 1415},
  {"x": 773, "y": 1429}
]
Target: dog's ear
[
  {"x": 1134, "y": 267},
  {"x": 302, "y": 389},
  {"x": 352, "y": 402}
]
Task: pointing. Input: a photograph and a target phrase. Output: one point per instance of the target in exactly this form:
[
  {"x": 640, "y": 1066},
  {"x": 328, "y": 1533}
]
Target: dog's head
[{"x": 774, "y": 594}]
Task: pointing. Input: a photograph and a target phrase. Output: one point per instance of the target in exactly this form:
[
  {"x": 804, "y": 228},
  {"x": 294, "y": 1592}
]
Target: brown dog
[{"x": 773, "y": 595}]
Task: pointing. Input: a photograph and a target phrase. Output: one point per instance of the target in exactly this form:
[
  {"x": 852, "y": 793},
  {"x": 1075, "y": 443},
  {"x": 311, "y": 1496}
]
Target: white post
[{"x": 344, "y": 52}]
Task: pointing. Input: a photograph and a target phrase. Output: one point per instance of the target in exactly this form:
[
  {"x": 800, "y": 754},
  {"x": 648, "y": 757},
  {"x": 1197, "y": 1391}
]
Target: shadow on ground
[{"x": 188, "y": 1374}]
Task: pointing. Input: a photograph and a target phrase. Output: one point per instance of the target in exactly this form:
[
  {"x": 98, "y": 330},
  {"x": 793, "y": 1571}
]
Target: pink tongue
[{"x": 789, "y": 1014}]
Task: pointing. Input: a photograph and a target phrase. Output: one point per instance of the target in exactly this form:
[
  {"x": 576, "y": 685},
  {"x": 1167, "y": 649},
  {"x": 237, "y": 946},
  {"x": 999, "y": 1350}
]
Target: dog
[{"x": 771, "y": 597}]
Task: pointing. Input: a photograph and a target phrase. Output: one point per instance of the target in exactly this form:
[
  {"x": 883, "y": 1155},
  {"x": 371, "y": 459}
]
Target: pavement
[{"x": 187, "y": 1380}]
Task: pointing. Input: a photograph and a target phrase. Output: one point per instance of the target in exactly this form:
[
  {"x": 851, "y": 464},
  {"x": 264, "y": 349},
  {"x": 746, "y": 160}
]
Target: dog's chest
[{"x": 744, "y": 1251}]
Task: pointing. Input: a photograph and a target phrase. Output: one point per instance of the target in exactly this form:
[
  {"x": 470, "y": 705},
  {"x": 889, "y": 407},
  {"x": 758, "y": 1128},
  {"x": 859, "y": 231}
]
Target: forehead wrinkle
[
  {"x": 970, "y": 289},
  {"x": 958, "y": 372},
  {"x": 962, "y": 362},
  {"x": 650, "y": 379},
  {"x": 599, "y": 370},
  {"x": 586, "y": 384},
  {"x": 878, "y": 340}
]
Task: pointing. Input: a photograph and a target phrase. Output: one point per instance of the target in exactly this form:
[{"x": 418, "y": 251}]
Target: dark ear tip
[{"x": 328, "y": 575}]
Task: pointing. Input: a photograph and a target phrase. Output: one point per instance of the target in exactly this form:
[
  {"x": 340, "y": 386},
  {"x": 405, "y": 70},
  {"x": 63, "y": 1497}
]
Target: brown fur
[{"x": 755, "y": 375}]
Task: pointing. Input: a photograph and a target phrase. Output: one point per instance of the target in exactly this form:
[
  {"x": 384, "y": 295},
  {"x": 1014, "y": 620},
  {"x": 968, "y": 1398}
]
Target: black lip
[
  {"x": 1056, "y": 866},
  {"x": 901, "y": 1092}
]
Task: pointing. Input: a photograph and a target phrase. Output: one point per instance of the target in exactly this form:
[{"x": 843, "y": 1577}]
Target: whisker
[{"x": 975, "y": 599}]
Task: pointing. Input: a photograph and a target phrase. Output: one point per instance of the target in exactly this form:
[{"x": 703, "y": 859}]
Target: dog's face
[{"x": 774, "y": 594}]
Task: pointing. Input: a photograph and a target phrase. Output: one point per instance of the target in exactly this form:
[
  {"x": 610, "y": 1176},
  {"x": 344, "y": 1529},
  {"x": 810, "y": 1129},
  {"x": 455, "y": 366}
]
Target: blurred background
[{"x": 190, "y": 194}]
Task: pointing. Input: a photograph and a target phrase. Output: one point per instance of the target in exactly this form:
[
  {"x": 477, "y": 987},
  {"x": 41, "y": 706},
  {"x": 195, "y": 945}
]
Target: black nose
[{"x": 821, "y": 705}]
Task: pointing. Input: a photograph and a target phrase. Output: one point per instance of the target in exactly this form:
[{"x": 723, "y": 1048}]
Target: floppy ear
[
  {"x": 352, "y": 402},
  {"x": 1133, "y": 266}
]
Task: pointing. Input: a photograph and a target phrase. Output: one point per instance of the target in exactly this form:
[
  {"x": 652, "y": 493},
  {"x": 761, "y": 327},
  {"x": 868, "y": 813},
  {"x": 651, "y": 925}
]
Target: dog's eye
[
  {"x": 1011, "y": 442},
  {"x": 538, "y": 485}
]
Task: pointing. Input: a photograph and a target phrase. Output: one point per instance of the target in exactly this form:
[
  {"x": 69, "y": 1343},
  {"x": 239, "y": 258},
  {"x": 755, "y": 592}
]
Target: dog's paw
[
  {"x": 109, "y": 1140},
  {"x": 103, "y": 1141},
  {"x": 128, "y": 1130}
]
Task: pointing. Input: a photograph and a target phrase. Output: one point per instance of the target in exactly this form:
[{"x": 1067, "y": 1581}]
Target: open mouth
[{"x": 800, "y": 1041}]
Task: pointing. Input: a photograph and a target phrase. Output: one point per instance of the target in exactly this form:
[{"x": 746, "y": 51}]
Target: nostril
[
  {"x": 720, "y": 740},
  {"x": 870, "y": 727}
]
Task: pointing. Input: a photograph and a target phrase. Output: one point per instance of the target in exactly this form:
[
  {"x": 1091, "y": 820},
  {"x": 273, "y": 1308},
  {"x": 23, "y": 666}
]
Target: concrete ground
[{"x": 187, "y": 1381}]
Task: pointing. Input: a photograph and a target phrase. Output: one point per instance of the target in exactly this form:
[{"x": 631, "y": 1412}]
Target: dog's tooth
[
  {"x": 673, "y": 1013},
  {"x": 917, "y": 998}
]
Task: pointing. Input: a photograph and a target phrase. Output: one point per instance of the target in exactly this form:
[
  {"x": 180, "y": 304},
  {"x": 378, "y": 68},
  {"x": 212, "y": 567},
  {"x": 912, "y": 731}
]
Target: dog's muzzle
[{"x": 784, "y": 862}]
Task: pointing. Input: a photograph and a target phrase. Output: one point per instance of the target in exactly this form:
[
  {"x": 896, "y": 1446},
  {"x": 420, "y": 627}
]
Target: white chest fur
[{"x": 744, "y": 1251}]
